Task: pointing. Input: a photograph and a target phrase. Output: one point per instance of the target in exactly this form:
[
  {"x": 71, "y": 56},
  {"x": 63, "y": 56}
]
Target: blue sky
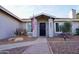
[{"x": 26, "y": 11}]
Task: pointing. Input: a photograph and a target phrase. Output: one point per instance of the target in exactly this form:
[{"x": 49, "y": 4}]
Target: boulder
[
  {"x": 18, "y": 39},
  {"x": 11, "y": 39}
]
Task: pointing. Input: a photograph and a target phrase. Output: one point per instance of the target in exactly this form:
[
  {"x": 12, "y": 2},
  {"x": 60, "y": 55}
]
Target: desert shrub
[{"x": 20, "y": 32}]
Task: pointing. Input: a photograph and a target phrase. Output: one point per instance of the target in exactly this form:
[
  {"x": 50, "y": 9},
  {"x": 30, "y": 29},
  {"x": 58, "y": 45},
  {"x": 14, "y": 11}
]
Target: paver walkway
[{"x": 41, "y": 47}]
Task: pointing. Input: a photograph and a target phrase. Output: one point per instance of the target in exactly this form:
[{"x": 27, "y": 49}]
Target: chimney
[{"x": 72, "y": 14}]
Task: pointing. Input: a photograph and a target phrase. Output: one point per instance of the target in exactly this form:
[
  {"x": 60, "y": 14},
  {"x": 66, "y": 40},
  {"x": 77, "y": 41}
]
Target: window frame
[
  {"x": 59, "y": 24},
  {"x": 29, "y": 25}
]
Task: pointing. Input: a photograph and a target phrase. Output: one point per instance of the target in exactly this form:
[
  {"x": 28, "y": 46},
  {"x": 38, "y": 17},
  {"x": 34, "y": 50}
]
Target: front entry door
[{"x": 42, "y": 29}]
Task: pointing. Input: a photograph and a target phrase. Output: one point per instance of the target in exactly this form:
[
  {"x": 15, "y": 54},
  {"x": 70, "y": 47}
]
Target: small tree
[{"x": 66, "y": 28}]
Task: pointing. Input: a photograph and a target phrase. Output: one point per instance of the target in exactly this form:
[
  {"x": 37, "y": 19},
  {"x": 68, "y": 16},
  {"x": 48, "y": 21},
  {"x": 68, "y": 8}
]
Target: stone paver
[{"x": 41, "y": 47}]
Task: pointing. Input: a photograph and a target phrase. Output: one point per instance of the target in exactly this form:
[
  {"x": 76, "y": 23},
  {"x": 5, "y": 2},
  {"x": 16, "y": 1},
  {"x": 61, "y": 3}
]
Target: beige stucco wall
[
  {"x": 8, "y": 25},
  {"x": 74, "y": 26},
  {"x": 74, "y": 22},
  {"x": 23, "y": 25}
]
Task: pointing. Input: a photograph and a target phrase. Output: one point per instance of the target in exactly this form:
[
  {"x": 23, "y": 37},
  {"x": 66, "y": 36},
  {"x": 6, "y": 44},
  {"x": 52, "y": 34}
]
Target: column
[
  {"x": 34, "y": 27},
  {"x": 51, "y": 33}
]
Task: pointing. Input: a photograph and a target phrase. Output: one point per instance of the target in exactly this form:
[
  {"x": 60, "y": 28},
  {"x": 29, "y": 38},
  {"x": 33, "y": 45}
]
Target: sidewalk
[{"x": 39, "y": 48}]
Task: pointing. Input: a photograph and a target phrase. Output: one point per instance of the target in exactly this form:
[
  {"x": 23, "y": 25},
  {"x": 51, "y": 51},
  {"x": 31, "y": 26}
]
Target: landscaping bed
[
  {"x": 61, "y": 46},
  {"x": 25, "y": 38}
]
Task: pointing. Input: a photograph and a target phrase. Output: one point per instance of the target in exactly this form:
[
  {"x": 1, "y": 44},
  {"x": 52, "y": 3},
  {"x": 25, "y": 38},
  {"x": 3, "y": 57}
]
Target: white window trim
[{"x": 55, "y": 28}]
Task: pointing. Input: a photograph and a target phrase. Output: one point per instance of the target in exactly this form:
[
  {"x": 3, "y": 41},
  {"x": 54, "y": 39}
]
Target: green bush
[
  {"x": 77, "y": 31},
  {"x": 66, "y": 27}
]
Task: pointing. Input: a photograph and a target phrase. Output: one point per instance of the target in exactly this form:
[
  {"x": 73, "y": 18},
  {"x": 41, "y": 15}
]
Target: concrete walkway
[
  {"x": 20, "y": 44},
  {"x": 41, "y": 47}
]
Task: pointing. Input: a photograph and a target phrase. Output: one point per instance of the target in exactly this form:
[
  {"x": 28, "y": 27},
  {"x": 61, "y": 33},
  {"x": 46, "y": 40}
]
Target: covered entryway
[
  {"x": 42, "y": 29},
  {"x": 43, "y": 25}
]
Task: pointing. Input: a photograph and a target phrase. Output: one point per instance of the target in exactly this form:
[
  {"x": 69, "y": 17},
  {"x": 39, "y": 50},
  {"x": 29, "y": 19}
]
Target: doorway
[{"x": 42, "y": 29}]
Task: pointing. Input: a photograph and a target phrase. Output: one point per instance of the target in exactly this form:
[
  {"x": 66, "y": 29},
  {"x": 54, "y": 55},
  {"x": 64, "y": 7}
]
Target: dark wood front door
[{"x": 42, "y": 29}]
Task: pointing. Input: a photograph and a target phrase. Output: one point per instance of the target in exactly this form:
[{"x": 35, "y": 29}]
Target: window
[
  {"x": 28, "y": 27},
  {"x": 58, "y": 27}
]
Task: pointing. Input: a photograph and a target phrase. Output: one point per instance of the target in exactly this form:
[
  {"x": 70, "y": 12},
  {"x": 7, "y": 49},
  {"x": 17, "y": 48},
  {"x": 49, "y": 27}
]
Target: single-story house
[
  {"x": 38, "y": 25},
  {"x": 49, "y": 26},
  {"x": 8, "y": 23}
]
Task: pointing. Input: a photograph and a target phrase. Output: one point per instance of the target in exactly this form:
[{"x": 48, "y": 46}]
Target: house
[
  {"x": 8, "y": 23},
  {"x": 49, "y": 26},
  {"x": 38, "y": 25}
]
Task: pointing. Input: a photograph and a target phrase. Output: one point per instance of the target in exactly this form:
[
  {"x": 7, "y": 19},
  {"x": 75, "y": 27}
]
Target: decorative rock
[
  {"x": 18, "y": 39},
  {"x": 10, "y": 39}
]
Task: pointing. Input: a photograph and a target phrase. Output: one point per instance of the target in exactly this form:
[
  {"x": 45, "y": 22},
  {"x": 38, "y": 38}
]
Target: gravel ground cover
[
  {"x": 18, "y": 50},
  {"x": 60, "y": 46},
  {"x": 25, "y": 38}
]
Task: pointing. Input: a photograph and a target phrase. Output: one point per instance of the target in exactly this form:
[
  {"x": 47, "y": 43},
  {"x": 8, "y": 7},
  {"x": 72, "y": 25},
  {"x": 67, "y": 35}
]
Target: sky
[{"x": 26, "y": 11}]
